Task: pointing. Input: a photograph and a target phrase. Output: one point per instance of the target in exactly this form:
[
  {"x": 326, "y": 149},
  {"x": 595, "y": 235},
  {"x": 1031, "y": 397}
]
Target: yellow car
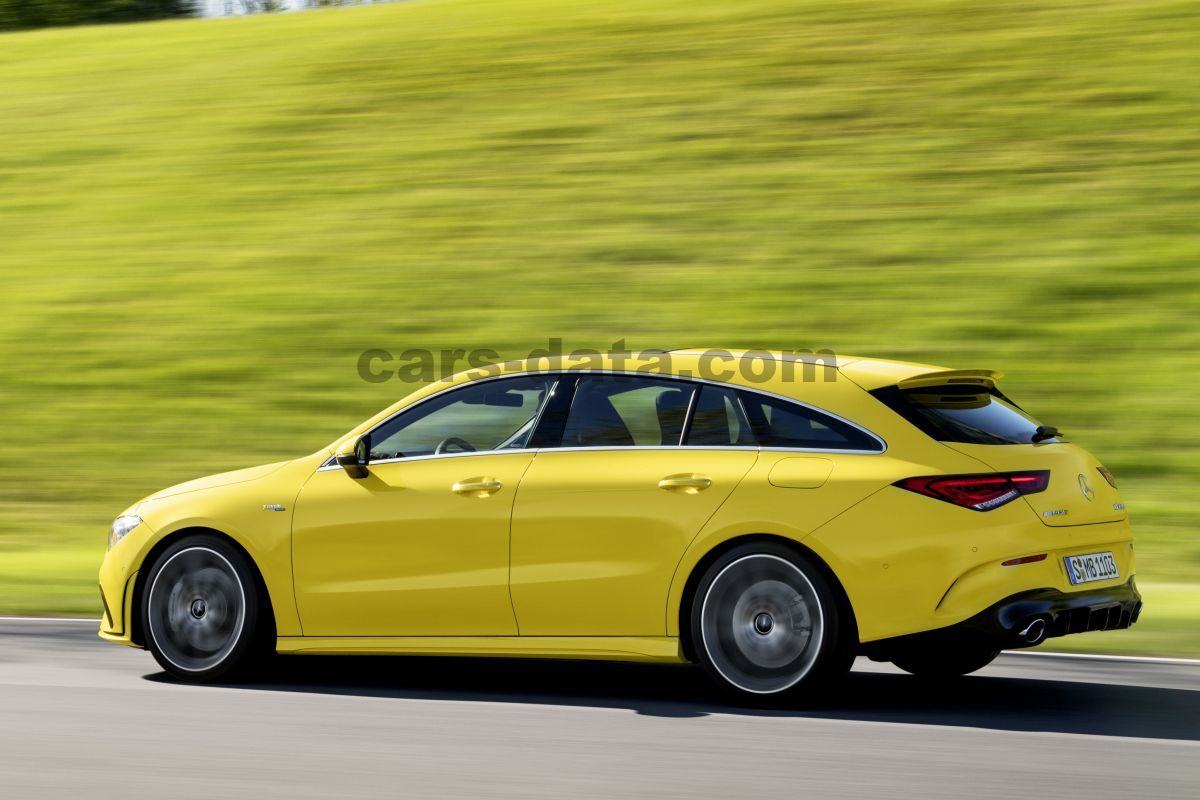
[{"x": 770, "y": 524}]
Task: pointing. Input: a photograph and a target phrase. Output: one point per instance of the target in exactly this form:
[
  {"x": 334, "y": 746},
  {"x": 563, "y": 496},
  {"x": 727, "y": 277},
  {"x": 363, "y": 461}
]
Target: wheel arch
[
  {"x": 134, "y": 622},
  {"x": 686, "y": 597}
]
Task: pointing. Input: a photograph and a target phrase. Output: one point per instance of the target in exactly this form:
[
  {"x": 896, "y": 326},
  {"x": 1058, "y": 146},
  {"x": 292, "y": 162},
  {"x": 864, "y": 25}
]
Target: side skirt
[{"x": 609, "y": 648}]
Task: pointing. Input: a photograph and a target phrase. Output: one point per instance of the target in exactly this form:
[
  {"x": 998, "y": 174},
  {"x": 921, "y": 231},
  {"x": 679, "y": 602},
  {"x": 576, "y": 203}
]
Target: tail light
[
  {"x": 979, "y": 492},
  {"x": 1108, "y": 476}
]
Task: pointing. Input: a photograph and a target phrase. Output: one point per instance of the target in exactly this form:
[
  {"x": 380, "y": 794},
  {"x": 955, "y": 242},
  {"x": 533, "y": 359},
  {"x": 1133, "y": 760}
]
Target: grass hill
[{"x": 204, "y": 222}]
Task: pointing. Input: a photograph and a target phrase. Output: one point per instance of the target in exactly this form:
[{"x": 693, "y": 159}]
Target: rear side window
[
  {"x": 962, "y": 414},
  {"x": 718, "y": 420},
  {"x": 625, "y": 411},
  {"x": 778, "y": 423}
]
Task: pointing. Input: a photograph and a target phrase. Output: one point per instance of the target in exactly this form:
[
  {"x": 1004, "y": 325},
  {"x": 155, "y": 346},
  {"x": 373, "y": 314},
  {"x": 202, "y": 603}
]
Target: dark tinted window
[
  {"x": 778, "y": 423},
  {"x": 492, "y": 415},
  {"x": 962, "y": 414},
  {"x": 621, "y": 411},
  {"x": 719, "y": 420}
]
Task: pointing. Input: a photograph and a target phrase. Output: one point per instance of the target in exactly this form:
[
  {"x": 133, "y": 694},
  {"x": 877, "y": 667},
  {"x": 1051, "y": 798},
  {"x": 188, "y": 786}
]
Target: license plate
[{"x": 1091, "y": 567}]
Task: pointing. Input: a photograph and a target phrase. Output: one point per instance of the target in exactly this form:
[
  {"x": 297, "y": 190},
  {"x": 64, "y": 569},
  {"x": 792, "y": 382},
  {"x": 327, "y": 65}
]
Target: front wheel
[
  {"x": 200, "y": 610},
  {"x": 767, "y": 624},
  {"x": 945, "y": 663}
]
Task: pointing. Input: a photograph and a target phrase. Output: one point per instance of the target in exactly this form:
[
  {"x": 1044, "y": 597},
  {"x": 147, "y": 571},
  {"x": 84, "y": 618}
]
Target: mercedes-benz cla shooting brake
[{"x": 769, "y": 528}]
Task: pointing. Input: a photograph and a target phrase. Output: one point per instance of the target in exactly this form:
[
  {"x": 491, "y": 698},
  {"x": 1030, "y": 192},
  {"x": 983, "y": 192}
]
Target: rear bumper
[
  {"x": 1027, "y": 619},
  {"x": 1107, "y": 609}
]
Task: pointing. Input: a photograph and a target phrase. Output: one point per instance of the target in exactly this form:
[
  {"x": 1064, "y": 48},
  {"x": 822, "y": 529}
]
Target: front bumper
[
  {"x": 116, "y": 597},
  {"x": 1027, "y": 619}
]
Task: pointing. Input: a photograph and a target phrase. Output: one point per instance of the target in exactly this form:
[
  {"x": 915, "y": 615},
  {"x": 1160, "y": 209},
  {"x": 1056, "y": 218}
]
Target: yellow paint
[
  {"x": 608, "y": 648},
  {"x": 401, "y": 553},
  {"x": 805, "y": 472},
  {"x": 595, "y": 540},
  {"x": 587, "y": 553}
]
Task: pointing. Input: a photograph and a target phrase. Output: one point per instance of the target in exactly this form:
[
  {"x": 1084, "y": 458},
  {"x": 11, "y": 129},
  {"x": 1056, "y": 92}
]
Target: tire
[
  {"x": 942, "y": 664},
  {"x": 203, "y": 613},
  {"x": 768, "y": 626}
]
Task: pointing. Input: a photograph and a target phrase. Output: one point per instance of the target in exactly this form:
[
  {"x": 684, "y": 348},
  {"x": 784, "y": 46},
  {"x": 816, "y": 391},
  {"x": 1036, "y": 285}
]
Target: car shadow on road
[{"x": 978, "y": 701}]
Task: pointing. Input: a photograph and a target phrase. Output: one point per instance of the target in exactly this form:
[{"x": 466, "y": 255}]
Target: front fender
[{"x": 241, "y": 512}]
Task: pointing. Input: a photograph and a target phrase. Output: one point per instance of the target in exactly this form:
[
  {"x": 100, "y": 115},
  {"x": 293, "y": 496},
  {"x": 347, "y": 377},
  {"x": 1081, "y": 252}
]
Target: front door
[{"x": 420, "y": 547}]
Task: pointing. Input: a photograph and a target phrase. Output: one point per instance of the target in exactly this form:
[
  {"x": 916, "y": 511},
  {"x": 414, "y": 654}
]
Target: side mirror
[{"x": 355, "y": 457}]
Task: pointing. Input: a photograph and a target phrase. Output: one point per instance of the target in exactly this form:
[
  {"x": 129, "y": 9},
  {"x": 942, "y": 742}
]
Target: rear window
[{"x": 962, "y": 414}]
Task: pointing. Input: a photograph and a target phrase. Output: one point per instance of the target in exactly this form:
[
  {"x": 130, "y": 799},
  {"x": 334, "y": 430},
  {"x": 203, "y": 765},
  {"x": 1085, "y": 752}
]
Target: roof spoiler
[{"x": 983, "y": 378}]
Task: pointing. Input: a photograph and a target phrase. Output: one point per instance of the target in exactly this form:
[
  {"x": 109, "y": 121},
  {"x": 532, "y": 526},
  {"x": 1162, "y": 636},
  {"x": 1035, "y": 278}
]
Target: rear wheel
[
  {"x": 767, "y": 624},
  {"x": 200, "y": 610},
  {"x": 945, "y": 663}
]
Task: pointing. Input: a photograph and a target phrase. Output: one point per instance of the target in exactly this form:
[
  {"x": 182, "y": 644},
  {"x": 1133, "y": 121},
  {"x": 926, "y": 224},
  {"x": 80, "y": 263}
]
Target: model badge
[
  {"x": 274, "y": 507},
  {"x": 1085, "y": 488},
  {"x": 1055, "y": 512},
  {"x": 1118, "y": 506}
]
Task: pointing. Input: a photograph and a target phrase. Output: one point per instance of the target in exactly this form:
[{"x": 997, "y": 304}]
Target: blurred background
[{"x": 204, "y": 222}]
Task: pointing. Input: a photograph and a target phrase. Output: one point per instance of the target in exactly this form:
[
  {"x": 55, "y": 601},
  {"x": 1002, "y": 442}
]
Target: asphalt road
[{"x": 80, "y": 718}]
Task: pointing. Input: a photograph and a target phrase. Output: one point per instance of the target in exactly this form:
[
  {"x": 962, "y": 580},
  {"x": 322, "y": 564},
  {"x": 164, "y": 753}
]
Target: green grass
[{"x": 203, "y": 223}]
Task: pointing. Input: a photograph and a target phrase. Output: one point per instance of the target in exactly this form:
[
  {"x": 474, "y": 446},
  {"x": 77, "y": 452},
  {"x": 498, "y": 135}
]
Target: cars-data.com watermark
[{"x": 423, "y": 365}]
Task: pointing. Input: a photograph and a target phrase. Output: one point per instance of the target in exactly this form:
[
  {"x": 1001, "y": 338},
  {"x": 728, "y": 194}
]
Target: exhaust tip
[{"x": 1034, "y": 632}]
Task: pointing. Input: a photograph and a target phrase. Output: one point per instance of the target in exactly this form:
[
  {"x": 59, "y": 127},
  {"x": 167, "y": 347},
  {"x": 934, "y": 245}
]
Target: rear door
[{"x": 602, "y": 519}]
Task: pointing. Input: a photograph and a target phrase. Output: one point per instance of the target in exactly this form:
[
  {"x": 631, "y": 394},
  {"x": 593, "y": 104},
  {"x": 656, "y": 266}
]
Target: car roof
[{"x": 870, "y": 373}]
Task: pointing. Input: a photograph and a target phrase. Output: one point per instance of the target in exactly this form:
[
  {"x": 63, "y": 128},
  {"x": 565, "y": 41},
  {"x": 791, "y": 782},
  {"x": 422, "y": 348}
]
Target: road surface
[{"x": 81, "y": 718}]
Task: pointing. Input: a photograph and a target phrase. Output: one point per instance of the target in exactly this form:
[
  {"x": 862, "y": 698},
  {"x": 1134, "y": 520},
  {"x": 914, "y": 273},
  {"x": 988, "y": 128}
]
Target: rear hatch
[
  {"x": 965, "y": 411},
  {"x": 1078, "y": 493}
]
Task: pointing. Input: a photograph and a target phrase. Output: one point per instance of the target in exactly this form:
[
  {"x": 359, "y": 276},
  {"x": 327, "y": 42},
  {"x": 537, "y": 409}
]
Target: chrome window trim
[
  {"x": 616, "y": 449},
  {"x": 327, "y": 466},
  {"x": 744, "y": 448},
  {"x": 689, "y": 415},
  {"x": 331, "y": 463}
]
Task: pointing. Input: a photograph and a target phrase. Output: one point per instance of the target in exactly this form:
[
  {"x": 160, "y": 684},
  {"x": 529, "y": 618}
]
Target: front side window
[
  {"x": 487, "y": 416},
  {"x": 778, "y": 423},
  {"x": 626, "y": 411}
]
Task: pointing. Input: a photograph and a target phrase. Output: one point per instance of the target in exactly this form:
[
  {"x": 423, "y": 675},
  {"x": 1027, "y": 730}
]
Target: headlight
[{"x": 122, "y": 526}]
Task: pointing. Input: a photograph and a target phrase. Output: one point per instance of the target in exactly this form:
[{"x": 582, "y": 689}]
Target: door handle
[
  {"x": 478, "y": 487},
  {"x": 688, "y": 484}
]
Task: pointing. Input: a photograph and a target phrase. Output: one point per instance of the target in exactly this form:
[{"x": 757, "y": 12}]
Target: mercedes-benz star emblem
[{"x": 1085, "y": 488}]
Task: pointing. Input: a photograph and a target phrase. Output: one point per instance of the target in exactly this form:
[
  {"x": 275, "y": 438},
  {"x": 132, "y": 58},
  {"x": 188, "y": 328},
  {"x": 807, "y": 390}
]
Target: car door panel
[
  {"x": 402, "y": 553},
  {"x": 595, "y": 539}
]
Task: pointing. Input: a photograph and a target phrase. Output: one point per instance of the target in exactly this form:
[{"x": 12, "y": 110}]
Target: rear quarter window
[{"x": 779, "y": 423}]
